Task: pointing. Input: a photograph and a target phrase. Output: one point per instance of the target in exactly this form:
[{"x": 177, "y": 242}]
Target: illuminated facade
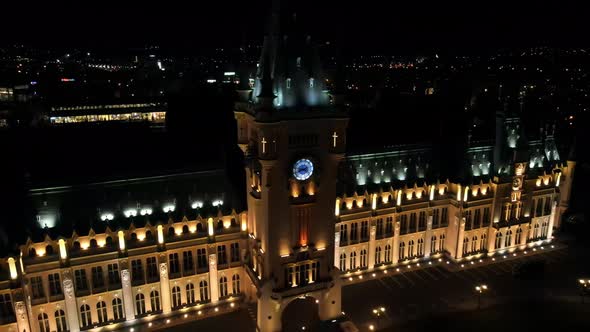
[{"x": 145, "y": 112}]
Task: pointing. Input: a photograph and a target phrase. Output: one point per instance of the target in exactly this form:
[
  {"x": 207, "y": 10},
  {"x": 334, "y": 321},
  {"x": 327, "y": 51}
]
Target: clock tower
[{"x": 292, "y": 154}]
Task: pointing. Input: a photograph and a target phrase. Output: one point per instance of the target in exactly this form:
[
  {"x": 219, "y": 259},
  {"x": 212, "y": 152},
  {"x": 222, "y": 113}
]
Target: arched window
[
  {"x": 378, "y": 255},
  {"x": 388, "y": 253},
  {"x": 518, "y": 236},
  {"x": 170, "y": 232},
  {"x": 498, "y": 242},
  {"x": 411, "y": 249},
  {"x": 140, "y": 304},
  {"x": 544, "y": 229},
  {"x": 420, "y": 247},
  {"x": 235, "y": 283},
  {"x": 403, "y": 224},
  {"x": 220, "y": 224},
  {"x": 60, "y": 321},
  {"x": 353, "y": 260},
  {"x": 109, "y": 241},
  {"x": 483, "y": 242},
  {"x": 155, "y": 300},
  {"x": 49, "y": 250},
  {"x": 185, "y": 229},
  {"x": 43, "y": 322},
  {"x": 233, "y": 222},
  {"x": 76, "y": 246},
  {"x": 402, "y": 250},
  {"x": 441, "y": 243},
  {"x": 85, "y": 315},
  {"x": 199, "y": 227},
  {"x": 176, "y": 300},
  {"x": 363, "y": 258},
  {"x": 223, "y": 286},
  {"x": 433, "y": 243},
  {"x": 536, "y": 231},
  {"x": 465, "y": 245},
  {"x": 474, "y": 244},
  {"x": 118, "y": 309},
  {"x": 133, "y": 237},
  {"x": 342, "y": 262},
  {"x": 149, "y": 236},
  {"x": 93, "y": 243},
  {"x": 101, "y": 309},
  {"x": 190, "y": 293},
  {"x": 32, "y": 252},
  {"x": 204, "y": 290},
  {"x": 508, "y": 238}
]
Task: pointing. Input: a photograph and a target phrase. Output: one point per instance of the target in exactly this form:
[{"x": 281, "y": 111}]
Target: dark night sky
[{"x": 376, "y": 25}]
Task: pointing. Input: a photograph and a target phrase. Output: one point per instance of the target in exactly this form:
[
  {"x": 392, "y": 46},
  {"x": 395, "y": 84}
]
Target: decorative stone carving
[
  {"x": 163, "y": 271},
  {"x": 69, "y": 288},
  {"x": 125, "y": 277},
  {"x": 20, "y": 309}
]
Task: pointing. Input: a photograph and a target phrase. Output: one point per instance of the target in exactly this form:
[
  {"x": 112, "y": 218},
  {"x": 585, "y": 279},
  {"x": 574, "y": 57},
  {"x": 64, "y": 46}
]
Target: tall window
[
  {"x": 378, "y": 255},
  {"x": 547, "y": 209},
  {"x": 85, "y": 315},
  {"x": 54, "y": 284},
  {"x": 187, "y": 263},
  {"x": 422, "y": 221},
  {"x": 444, "y": 217},
  {"x": 43, "y": 322},
  {"x": 486, "y": 216},
  {"x": 204, "y": 290},
  {"x": 544, "y": 229},
  {"x": 435, "y": 218},
  {"x": 137, "y": 270},
  {"x": 539, "y": 211},
  {"x": 315, "y": 271},
  {"x": 37, "y": 288},
  {"x": 536, "y": 231},
  {"x": 140, "y": 304},
  {"x": 441, "y": 243},
  {"x": 6, "y": 309},
  {"x": 342, "y": 262},
  {"x": 235, "y": 279},
  {"x": 420, "y": 247},
  {"x": 60, "y": 321},
  {"x": 483, "y": 242},
  {"x": 474, "y": 244},
  {"x": 411, "y": 248},
  {"x": 221, "y": 255},
  {"x": 364, "y": 230},
  {"x": 97, "y": 277},
  {"x": 402, "y": 249},
  {"x": 363, "y": 258},
  {"x": 477, "y": 218},
  {"x": 176, "y": 299},
  {"x": 465, "y": 245},
  {"x": 174, "y": 265},
  {"x": 190, "y": 293},
  {"x": 113, "y": 271},
  {"x": 388, "y": 253},
  {"x": 389, "y": 225},
  {"x": 412, "y": 222},
  {"x": 235, "y": 252},
  {"x": 155, "y": 300},
  {"x": 379, "y": 227},
  {"x": 101, "y": 309},
  {"x": 343, "y": 233},
  {"x": 202, "y": 258},
  {"x": 507, "y": 243},
  {"x": 433, "y": 243},
  {"x": 81, "y": 283},
  {"x": 518, "y": 236},
  {"x": 468, "y": 220},
  {"x": 223, "y": 286},
  {"x": 152, "y": 269},
  {"x": 498, "y": 242},
  {"x": 288, "y": 83},
  {"x": 354, "y": 231},
  {"x": 353, "y": 260},
  {"x": 505, "y": 212},
  {"x": 403, "y": 222},
  {"x": 118, "y": 309}
]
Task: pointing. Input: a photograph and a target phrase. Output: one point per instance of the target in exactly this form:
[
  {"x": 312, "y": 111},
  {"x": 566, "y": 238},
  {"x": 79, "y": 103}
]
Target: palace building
[{"x": 317, "y": 212}]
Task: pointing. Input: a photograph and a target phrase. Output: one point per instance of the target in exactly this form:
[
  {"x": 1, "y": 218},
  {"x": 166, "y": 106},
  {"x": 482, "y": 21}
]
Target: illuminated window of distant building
[{"x": 288, "y": 83}]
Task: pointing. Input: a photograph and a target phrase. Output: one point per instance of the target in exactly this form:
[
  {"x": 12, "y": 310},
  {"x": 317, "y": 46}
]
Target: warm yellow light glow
[
  {"x": 399, "y": 198},
  {"x": 409, "y": 195},
  {"x": 337, "y": 207},
  {"x": 484, "y": 190},
  {"x": 546, "y": 180},
  {"x": 538, "y": 183},
  {"x": 101, "y": 243},
  {"x": 62, "y": 249},
  {"x": 359, "y": 204},
  {"x": 160, "y": 235},
  {"x": 121, "y": 240},
  {"x": 432, "y": 192},
  {"x": 12, "y": 268},
  {"x": 385, "y": 199},
  {"x": 419, "y": 194},
  {"x": 210, "y": 226},
  {"x": 558, "y": 179},
  {"x": 465, "y": 194},
  {"x": 226, "y": 223},
  {"x": 474, "y": 192},
  {"x": 441, "y": 190},
  {"x": 374, "y": 202},
  {"x": 41, "y": 252},
  {"x": 84, "y": 244},
  {"x": 178, "y": 230},
  {"x": 141, "y": 236},
  {"x": 244, "y": 223},
  {"x": 349, "y": 205},
  {"x": 459, "y": 193}
]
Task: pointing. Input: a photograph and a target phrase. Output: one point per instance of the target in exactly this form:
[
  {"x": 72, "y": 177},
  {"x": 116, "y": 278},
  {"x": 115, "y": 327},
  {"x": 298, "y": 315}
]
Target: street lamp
[
  {"x": 480, "y": 289},
  {"x": 378, "y": 312},
  {"x": 584, "y": 287}
]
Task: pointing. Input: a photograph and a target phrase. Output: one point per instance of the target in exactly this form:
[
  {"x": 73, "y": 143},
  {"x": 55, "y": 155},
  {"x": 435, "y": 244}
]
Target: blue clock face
[{"x": 302, "y": 169}]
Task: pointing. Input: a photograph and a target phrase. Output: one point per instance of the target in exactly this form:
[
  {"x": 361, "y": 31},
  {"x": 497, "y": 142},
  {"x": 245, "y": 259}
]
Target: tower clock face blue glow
[{"x": 302, "y": 169}]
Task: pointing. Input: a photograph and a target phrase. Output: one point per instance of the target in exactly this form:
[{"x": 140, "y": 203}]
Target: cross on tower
[
  {"x": 263, "y": 145},
  {"x": 335, "y": 136}
]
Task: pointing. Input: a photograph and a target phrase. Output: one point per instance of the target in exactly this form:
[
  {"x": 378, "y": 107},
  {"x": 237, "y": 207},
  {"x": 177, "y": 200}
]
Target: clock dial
[{"x": 302, "y": 169}]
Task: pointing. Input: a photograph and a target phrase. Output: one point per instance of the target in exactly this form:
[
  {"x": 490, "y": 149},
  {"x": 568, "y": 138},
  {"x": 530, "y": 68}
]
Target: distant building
[{"x": 154, "y": 113}]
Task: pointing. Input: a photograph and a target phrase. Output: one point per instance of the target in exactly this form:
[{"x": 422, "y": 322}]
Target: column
[
  {"x": 427, "y": 236},
  {"x": 337, "y": 250},
  {"x": 395, "y": 248},
  {"x": 551, "y": 221},
  {"x": 459, "y": 253},
  {"x": 71, "y": 305},
  {"x": 165, "y": 288},
  {"x": 127, "y": 295},
  {"x": 22, "y": 320},
  {"x": 213, "y": 281},
  {"x": 491, "y": 239},
  {"x": 372, "y": 236},
  {"x": 524, "y": 235}
]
